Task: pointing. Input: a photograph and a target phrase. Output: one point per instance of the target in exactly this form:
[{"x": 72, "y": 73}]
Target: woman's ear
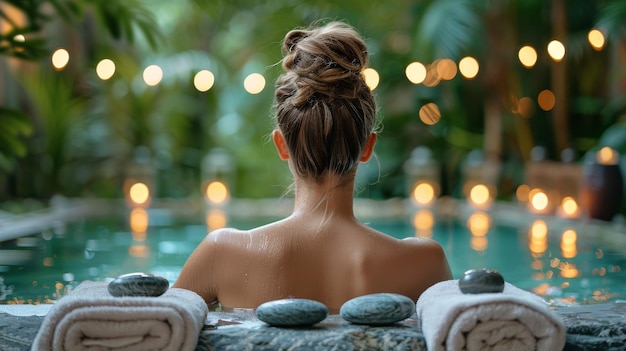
[
  {"x": 368, "y": 150},
  {"x": 281, "y": 145}
]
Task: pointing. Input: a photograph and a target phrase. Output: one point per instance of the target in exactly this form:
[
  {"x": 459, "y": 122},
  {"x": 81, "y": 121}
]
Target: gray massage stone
[
  {"x": 377, "y": 309},
  {"x": 138, "y": 284},
  {"x": 481, "y": 281},
  {"x": 292, "y": 312}
]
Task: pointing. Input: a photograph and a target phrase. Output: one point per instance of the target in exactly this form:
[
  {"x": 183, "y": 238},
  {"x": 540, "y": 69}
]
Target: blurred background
[{"x": 512, "y": 95}]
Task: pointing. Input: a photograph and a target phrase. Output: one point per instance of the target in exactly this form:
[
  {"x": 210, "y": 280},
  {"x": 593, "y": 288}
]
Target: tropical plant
[
  {"x": 108, "y": 120},
  {"x": 25, "y": 36}
]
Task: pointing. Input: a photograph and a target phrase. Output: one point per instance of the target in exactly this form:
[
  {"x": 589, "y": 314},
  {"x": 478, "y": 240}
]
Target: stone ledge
[{"x": 589, "y": 327}]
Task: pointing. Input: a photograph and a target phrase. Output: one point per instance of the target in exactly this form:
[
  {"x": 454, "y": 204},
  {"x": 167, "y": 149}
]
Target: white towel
[
  {"x": 513, "y": 320},
  {"x": 91, "y": 319}
]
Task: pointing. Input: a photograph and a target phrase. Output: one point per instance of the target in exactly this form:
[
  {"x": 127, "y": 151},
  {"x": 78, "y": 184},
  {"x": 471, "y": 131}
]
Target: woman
[{"x": 326, "y": 118}]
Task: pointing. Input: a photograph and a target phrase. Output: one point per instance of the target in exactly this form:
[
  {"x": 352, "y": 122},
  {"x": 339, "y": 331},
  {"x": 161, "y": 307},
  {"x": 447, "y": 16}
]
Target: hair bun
[{"x": 326, "y": 62}]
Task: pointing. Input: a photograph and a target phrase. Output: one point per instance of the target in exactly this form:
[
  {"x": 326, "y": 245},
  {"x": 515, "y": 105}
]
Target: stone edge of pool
[{"x": 589, "y": 327}]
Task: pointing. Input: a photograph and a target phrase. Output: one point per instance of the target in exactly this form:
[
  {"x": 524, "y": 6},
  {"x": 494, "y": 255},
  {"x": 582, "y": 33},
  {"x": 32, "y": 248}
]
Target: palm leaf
[
  {"x": 122, "y": 17},
  {"x": 612, "y": 18},
  {"x": 14, "y": 128},
  {"x": 447, "y": 28}
]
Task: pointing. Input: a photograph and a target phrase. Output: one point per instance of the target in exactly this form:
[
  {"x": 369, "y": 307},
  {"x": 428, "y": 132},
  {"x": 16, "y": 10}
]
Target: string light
[
  {"x": 60, "y": 59},
  {"x": 372, "y": 78},
  {"x": 254, "y": 83}
]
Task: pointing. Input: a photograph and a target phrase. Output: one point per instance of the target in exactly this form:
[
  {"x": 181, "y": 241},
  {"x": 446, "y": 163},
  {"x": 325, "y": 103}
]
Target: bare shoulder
[
  {"x": 420, "y": 243},
  {"x": 424, "y": 248},
  {"x": 431, "y": 252},
  {"x": 223, "y": 238}
]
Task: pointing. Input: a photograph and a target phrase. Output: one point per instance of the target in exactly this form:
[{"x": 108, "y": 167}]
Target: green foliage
[
  {"x": 88, "y": 129},
  {"x": 14, "y": 128},
  {"x": 124, "y": 19},
  {"x": 26, "y": 37},
  {"x": 58, "y": 112},
  {"x": 612, "y": 19},
  {"x": 448, "y": 28}
]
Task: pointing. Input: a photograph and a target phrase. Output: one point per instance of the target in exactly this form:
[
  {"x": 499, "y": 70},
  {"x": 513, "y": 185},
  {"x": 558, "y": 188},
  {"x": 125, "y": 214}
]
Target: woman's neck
[{"x": 331, "y": 197}]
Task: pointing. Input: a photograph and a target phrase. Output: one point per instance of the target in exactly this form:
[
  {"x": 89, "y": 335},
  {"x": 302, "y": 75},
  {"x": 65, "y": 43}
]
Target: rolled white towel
[
  {"x": 91, "y": 319},
  {"x": 513, "y": 320}
]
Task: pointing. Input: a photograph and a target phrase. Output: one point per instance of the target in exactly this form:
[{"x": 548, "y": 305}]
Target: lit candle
[
  {"x": 569, "y": 207},
  {"x": 424, "y": 193},
  {"x": 538, "y": 200},
  {"x": 139, "y": 194},
  {"x": 480, "y": 196},
  {"x": 217, "y": 192}
]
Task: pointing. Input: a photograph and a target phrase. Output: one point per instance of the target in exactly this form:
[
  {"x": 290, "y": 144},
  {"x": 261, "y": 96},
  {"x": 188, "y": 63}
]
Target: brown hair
[{"x": 322, "y": 104}]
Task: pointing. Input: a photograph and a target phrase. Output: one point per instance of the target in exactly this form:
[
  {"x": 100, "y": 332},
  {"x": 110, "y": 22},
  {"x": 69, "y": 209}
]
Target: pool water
[{"x": 565, "y": 263}]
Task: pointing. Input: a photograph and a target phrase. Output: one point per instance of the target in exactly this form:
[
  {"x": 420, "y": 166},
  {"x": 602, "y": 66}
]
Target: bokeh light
[
  {"x": 152, "y": 75},
  {"x": 607, "y": 156},
  {"x": 372, "y": 78},
  {"x": 525, "y": 107},
  {"x": 538, "y": 200},
  {"x": 139, "y": 193},
  {"x": 546, "y": 100},
  {"x": 569, "y": 206},
  {"x": 105, "y": 69},
  {"x": 522, "y": 193},
  {"x": 479, "y": 195},
  {"x": 60, "y": 59},
  {"x": 432, "y": 78},
  {"x": 556, "y": 50},
  {"x": 468, "y": 66},
  {"x": 430, "y": 114},
  {"x": 254, "y": 83},
  {"x": 217, "y": 192},
  {"x": 596, "y": 39},
  {"x": 446, "y": 69},
  {"x": 415, "y": 72},
  {"x": 203, "y": 80},
  {"x": 424, "y": 193},
  {"x": 527, "y": 56}
]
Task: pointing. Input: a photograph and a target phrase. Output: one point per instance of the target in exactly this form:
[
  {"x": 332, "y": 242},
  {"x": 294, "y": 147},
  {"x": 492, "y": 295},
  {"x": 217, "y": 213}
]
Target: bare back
[{"x": 330, "y": 263}]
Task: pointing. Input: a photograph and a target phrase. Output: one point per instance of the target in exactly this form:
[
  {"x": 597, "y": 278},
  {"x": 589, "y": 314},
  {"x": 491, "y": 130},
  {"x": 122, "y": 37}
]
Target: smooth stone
[
  {"x": 377, "y": 309},
  {"x": 481, "y": 281},
  {"x": 138, "y": 284},
  {"x": 292, "y": 312}
]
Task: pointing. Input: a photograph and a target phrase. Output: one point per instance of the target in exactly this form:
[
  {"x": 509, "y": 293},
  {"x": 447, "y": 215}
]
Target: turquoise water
[{"x": 563, "y": 267}]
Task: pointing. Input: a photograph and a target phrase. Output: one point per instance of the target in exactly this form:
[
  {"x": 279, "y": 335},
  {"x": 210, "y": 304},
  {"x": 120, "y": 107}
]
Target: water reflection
[
  {"x": 479, "y": 224},
  {"x": 538, "y": 235},
  {"x": 423, "y": 222},
  {"x": 568, "y": 243},
  {"x": 216, "y": 219},
  {"x": 139, "y": 221}
]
